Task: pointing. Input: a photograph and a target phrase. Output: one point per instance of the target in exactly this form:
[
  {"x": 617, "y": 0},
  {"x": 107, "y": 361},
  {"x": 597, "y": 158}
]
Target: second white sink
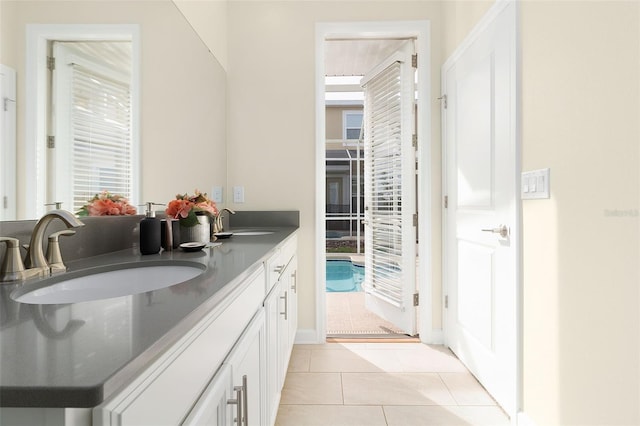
[
  {"x": 251, "y": 232},
  {"x": 107, "y": 284}
]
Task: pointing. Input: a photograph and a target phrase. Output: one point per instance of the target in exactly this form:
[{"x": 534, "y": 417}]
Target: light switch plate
[
  {"x": 535, "y": 184},
  {"x": 216, "y": 194},
  {"x": 238, "y": 194}
]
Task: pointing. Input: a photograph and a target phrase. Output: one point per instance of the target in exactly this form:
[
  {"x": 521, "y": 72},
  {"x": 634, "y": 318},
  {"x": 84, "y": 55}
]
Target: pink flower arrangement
[
  {"x": 107, "y": 204},
  {"x": 186, "y": 207}
]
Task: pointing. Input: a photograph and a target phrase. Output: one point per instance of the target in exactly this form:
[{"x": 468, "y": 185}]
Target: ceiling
[{"x": 356, "y": 57}]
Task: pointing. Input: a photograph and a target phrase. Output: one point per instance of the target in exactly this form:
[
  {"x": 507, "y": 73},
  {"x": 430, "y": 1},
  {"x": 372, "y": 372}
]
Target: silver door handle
[
  {"x": 237, "y": 401},
  {"x": 245, "y": 400},
  {"x": 502, "y": 230},
  {"x": 286, "y": 307}
]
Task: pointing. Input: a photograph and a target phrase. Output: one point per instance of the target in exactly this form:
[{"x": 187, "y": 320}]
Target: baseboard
[
  {"x": 308, "y": 336},
  {"x": 523, "y": 420}
]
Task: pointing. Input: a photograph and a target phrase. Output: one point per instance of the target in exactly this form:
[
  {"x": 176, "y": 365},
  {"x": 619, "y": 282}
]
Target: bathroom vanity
[{"x": 210, "y": 350}]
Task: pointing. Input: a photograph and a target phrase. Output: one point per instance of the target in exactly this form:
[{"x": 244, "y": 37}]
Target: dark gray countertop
[{"x": 77, "y": 355}]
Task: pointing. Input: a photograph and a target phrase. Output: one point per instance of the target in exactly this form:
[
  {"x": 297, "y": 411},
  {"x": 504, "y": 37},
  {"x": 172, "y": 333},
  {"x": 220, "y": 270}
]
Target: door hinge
[
  {"x": 51, "y": 63},
  {"x": 5, "y": 202},
  {"x": 414, "y": 60},
  {"x": 5, "y": 103},
  {"x": 446, "y": 302},
  {"x": 443, "y": 98},
  {"x": 416, "y": 299},
  {"x": 414, "y": 141},
  {"x": 415, "y": 219},
  {"x": 446, "y": 201},
  {"x": 51, "y": 141}
]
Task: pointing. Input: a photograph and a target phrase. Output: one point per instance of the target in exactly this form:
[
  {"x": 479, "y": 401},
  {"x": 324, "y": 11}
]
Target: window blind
[
  {"x": 100, "y": 135},
  {"x": 383, "y": 179}
]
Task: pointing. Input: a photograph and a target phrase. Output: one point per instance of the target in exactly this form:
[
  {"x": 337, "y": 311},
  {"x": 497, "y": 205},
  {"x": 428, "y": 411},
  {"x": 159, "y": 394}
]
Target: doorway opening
[{"x": 346, "y": 53}]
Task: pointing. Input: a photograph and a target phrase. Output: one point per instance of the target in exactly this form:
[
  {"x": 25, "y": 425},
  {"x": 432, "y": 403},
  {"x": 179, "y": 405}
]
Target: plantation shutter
[
  {"x": 92, "y": 124},
  {"x": 390, "y": 191}
]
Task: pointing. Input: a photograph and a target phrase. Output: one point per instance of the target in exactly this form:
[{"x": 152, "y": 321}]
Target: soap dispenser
[{"x": 150, "y": 232}]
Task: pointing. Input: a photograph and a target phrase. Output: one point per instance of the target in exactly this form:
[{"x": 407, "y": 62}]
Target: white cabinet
[
  {"x": 274, "y": 385},
  {"x": 237, "y": 389},
  {"x": 228, "y": 370},
  {"x": 248, "y": 370},
  {"x": 166, "y": 392},
  {"x": 281, "y": 308},
  {"x": 212, "y": 409}
]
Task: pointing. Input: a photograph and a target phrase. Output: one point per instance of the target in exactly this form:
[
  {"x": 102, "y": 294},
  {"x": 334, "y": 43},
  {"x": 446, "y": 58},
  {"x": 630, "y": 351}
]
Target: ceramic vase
[{"x": 200, "y": 233}]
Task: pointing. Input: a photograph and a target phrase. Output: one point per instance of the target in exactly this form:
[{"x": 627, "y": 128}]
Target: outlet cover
[
  {"x": 216, "y": 194},
  {"x": 238, "y": 194}
]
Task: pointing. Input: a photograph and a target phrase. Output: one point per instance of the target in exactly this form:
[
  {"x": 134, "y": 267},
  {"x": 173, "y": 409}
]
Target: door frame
[
  {"x": 36, "y": 75},
  {"x": 516, "y": 230},
  {"x": 421, "y": 31}
]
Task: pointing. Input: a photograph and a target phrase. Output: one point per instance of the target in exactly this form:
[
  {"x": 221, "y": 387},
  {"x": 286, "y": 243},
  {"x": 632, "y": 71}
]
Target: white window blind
[
  {"x": 101, "y": 135},
  {"x": 386, "y": 216}
]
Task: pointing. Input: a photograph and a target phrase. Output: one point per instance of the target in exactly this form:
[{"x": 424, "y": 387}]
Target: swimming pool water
[{"x": 343, "y": 276}]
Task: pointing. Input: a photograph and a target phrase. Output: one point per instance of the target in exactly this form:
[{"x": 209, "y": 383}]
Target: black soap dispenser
[{"x": 150, "y": 232}]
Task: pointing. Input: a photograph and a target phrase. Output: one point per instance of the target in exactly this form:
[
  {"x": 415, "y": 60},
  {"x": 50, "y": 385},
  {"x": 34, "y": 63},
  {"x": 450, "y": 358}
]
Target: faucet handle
[
  {"x": 54, "y": 257},
  {"x": 12, "y": 268}
]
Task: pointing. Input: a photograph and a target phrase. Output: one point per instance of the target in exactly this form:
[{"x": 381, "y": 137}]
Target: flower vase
[{"x": 200, "y": 233}]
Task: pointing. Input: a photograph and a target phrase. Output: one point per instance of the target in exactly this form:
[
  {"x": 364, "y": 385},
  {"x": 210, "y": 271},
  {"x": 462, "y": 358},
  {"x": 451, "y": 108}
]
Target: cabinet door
[
  {"x": 272, "y": 312},
  {"x": 292, "y": 299},
  {"x": 248, "y": 371},
  {"x": 213, "y": 408},
  {"x": 288, "y": 315}
]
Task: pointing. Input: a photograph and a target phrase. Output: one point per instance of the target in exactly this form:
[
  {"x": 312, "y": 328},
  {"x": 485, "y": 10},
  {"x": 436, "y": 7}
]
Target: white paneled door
[
  {"x": 390, "y": 182},
  {"x": 481, "y": 219}
]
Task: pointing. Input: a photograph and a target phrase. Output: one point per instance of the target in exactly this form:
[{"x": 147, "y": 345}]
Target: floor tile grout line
[
  {"x": 448, "y": 390},
  {"x": 384, "y": 413}
]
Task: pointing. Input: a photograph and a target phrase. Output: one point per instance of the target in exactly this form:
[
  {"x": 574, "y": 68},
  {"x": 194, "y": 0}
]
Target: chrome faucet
[
  {"x": 35, "y": 256},
  {"x": 35, "y": 263},
  {"x": 218, "y": 226}
]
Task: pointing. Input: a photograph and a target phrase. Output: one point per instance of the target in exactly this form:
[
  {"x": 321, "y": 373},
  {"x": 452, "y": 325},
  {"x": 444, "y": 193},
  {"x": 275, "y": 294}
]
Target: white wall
[
  {"x": 271, "y": 138},
  {"x": 183, "y": 90}
]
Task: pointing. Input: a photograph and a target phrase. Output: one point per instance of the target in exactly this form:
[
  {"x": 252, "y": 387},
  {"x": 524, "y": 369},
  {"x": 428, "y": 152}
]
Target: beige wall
[
  {"x": 333, "y": 120},
  {"x": 183, "y": 89},
  {"x": 580, "y": 109},
  {"x": 271, "y": 137},
  {"x": 209, "y": 20},
  {"x": 458, "y": 18}
]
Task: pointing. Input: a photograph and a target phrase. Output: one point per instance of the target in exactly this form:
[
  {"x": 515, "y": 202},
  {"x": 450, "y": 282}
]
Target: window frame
[{"x": 346, "y": 113}]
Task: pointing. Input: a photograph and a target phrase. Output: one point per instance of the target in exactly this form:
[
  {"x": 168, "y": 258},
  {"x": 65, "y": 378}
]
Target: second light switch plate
[
  {"x": 535, "y": 184},
  {"x": 238, "y": 194}
]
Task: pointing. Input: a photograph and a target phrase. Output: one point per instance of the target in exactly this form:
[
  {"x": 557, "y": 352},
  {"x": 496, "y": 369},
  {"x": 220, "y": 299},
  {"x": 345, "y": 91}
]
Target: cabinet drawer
[
  {"x": 166, "y": 391},
  {"x": 273, "y": 267},
  {"x": 276, "y": 264}
]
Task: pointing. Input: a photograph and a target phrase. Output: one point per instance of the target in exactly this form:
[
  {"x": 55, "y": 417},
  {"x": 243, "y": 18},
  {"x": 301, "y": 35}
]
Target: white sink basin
[
  {"x": 107, "y": 284},
  {"x": 251, "y": 232}
]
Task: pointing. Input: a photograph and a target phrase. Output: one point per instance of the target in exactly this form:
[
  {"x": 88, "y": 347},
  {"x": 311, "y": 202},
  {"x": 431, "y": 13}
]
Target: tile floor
[{"x": 400, "y": 384}]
